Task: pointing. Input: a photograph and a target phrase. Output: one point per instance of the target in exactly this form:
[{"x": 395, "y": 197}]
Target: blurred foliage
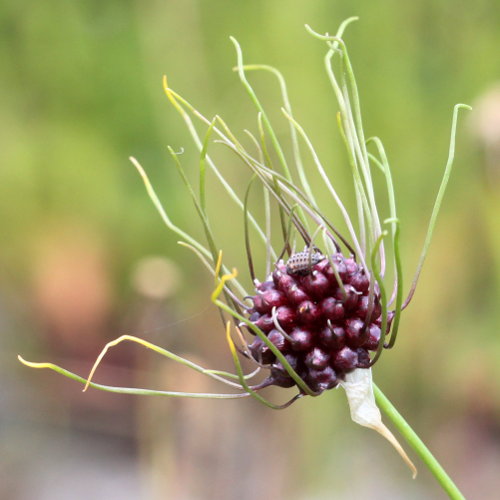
[{"x": 81, "y": 91}]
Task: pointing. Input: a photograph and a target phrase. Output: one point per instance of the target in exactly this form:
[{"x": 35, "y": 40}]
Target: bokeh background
[{"x": 85, "y": 258}]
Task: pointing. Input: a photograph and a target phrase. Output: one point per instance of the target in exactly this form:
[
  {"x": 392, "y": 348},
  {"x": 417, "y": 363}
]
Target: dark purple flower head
[
  {"x": 329, "y": 328},
  {"x": 314, "y": 318},
  {"x": 320, "y": 309}
]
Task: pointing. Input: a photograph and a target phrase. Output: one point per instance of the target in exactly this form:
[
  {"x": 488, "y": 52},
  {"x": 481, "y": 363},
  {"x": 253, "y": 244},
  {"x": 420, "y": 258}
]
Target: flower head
[{"x": 320, "y": 312}]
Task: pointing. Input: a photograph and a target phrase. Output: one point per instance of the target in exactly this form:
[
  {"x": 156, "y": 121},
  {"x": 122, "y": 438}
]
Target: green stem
[{"x": 417, "y": 444}]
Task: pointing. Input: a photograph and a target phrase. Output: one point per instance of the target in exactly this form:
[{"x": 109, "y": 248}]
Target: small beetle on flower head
[{"x": 301, "y": 263}]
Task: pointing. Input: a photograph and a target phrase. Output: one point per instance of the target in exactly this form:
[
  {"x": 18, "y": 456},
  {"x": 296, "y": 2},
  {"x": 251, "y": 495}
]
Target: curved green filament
[
  {"x": 130, "y": 390},
  {"x": 163, "y": 214},
  {"x": 157, "y": 349},
  {"x": 293, "y": 134},
  {"x": 286, "y": 244},
  {"x": 268, "y": 162},
  {"x": 399, "y": 287},
  {"x": 354, "y": 131},
  {"x": 395, "y": 225},
  {"x": 234, "y": 376},
  {"x": 198, "y": 204},
  {"x": 361, "y": 198},
  {"x": 328, "y": 184},
  {"x": 383, "y": 297},
  {"x": 383, "y": 165},
  {"x": 174, "y": 98},
  {"x": 203, "y": 167},
  {"x": 439, "y": 199},
  {"x": 245, "y": 228},
  {"x": 254, "y": 98}
]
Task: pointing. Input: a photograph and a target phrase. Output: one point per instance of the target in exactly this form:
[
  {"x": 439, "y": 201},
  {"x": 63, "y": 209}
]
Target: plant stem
[{"x": 417, "y": 444}]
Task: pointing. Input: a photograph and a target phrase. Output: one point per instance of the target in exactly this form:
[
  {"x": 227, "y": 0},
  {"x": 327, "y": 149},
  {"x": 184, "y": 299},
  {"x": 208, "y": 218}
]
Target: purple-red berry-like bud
[
  {"x": 317, "y": 359},
  {"x": 258, "y": 305},
  {"x": 323, "y": 266},
  {"x": 363, "y": 358},
  {"x": 364, "y": 304},
  {"x": 345, "y": 360},
  {"x": 351, "y": 266},
  {"x": 316, "y": 284},
  {"x": 302, "y": 339},
  {"x": 296, "y": 295},
  {"x": 360, "y": 281},
  {"x": 264, "y": 302},
  {"x": 286, "y": 317},
  {"x": 280, "y": 377},
  {"x": 279, "y": 374},
  {"x": 332, "y": 337},
  {"x": 356, "y": 332},
  {"x": 349, "y": 297},
  {"x": 265, "y": 323},
  {"x": 308, "y": 312},
  {"x": 322, "y": 380},
  {"x": 276, "y": 337},
  {"x": 283, "y": 281},
  {"x": 261, "y": 352},
  {"x": 373, "y": 338},
  {"x": 332, "y": 309}
]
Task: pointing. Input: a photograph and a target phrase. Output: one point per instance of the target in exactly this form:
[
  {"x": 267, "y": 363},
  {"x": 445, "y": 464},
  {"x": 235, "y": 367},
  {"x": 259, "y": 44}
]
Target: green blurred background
[{"x": 84, "y": 256}]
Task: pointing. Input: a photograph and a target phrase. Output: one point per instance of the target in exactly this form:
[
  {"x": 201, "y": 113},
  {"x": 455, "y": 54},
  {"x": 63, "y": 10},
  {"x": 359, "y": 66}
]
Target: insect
[{"x": 301, "y": 263}]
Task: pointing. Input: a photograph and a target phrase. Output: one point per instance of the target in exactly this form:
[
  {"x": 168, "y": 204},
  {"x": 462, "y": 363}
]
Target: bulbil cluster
[{"x": 318, "y": 313}]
